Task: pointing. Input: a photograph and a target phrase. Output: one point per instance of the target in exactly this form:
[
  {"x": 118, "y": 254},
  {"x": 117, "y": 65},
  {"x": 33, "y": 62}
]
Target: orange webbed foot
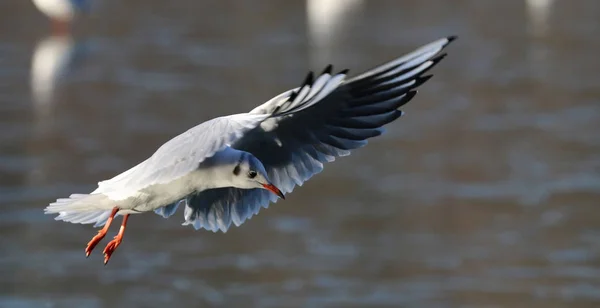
[
  {"x": 111, "y": 247},
  {"x": 101, "y": 233},
  {"x": 95, "y": 240}
]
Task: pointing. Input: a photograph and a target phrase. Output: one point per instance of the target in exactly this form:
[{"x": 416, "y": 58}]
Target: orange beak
[{"x": 273, "y": 189}]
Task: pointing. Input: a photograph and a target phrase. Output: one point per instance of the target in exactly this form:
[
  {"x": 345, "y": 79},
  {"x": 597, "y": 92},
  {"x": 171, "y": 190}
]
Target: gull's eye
[{"x": 251, "y": 174}]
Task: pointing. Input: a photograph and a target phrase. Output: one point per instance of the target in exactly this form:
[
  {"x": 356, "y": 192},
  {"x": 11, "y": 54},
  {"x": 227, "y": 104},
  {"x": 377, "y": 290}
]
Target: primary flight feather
[{"x": 226, "y": 169}]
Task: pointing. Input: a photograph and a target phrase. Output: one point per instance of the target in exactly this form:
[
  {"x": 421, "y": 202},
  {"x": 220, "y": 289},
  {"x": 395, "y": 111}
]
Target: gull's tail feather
[{"x": 81, "y": 209}]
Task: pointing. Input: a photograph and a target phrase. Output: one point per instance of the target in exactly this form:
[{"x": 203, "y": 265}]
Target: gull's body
[
  {"x": 135, "y": 201},
  {"x": 224, "y": 170}
]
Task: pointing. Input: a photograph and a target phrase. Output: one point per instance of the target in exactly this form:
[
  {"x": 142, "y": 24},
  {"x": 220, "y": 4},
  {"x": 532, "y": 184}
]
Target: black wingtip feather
[
  {"x": 344, "y": 72},
  {"x": 309, "y": 79},
  {"x": 327, "y": 70},
  {"x": 452, "y": 38},
  {"x": 407, "y": 97},
  {"x": 421, "y": 80},
  {"x": 438, "y": 58}
]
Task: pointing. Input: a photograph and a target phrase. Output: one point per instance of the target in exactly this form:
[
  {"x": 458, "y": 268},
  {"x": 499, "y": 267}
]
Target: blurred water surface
[{"x": 485, "y": 195}]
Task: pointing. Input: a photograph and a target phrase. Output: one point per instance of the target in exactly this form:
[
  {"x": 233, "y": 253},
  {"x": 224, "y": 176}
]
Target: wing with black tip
[{"x": 325, "y": 118}]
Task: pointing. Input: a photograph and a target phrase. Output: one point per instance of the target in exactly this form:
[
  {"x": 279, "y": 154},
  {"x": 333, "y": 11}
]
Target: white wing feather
[{"x": 182, "y": 154}]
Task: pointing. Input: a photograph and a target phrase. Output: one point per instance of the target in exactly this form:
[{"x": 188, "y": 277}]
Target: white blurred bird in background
[
  {"x": 53, "y": 58},
  {"x": 54, "y": 55}
]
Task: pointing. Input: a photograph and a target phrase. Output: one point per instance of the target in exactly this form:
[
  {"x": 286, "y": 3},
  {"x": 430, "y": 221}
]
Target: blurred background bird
[{"x": 55, "y": 56}]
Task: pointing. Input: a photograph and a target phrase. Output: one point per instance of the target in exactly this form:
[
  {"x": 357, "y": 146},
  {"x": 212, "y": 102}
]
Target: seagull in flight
[{"x": 225, "y": 170}]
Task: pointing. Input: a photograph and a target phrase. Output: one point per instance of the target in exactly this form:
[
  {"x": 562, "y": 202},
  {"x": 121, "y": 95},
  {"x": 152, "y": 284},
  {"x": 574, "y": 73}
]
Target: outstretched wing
[
  {"x": 182, "y": 154},
  {"x": 321, "y": 125}
]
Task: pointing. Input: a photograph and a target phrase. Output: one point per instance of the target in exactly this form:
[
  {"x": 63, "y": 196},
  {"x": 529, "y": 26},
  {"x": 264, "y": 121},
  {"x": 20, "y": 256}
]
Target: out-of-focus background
[{"x": 485, "y": 195}]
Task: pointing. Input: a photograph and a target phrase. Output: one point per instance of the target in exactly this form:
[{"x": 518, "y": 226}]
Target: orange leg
[
  {"x": 112, "y": 245},
  {"x": 96, "y": 239}
]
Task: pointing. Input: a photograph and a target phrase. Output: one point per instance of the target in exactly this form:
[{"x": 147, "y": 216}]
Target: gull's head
[{"x": 250, "y": 173}]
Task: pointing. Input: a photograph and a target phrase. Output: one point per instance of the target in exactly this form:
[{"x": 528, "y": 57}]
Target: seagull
[{"x": 225, "y": 170}]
